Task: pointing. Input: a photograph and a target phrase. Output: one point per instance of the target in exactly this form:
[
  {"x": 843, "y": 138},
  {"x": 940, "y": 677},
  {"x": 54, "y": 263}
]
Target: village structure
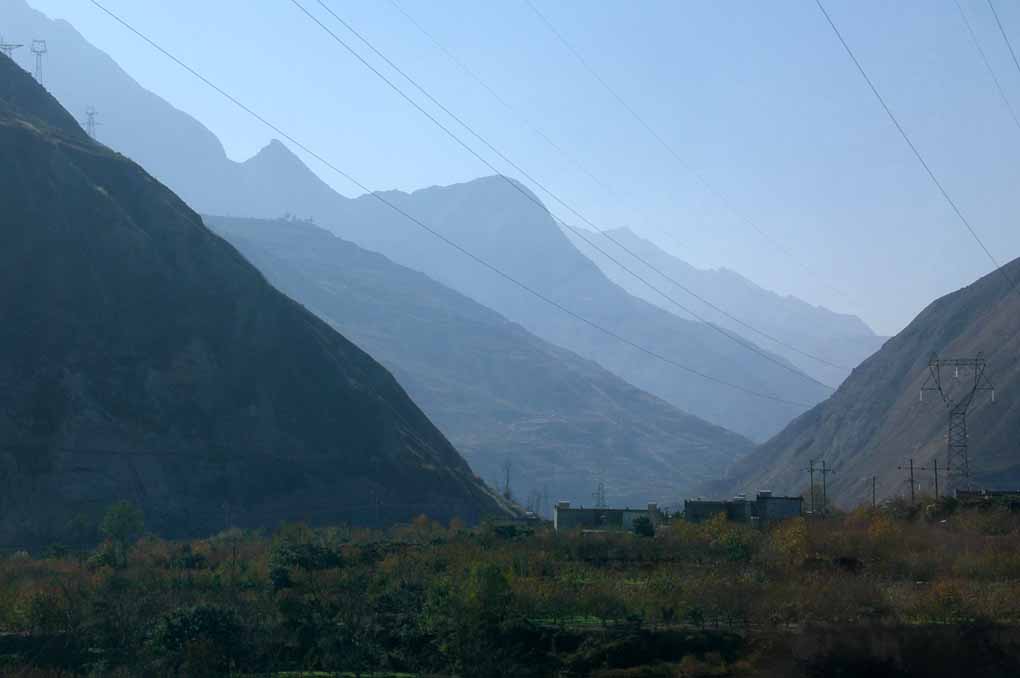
[
  {"x": 566, "y": 517},
  {"x": 764, "y": 509}
]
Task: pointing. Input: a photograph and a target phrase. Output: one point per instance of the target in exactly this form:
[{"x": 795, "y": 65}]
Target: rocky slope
[
  {"x": 143, "y": 358},
  {"x": 498, "y": 392},
  {"x": 840, "y": 339},
  {"x": 876, "y": 420}
]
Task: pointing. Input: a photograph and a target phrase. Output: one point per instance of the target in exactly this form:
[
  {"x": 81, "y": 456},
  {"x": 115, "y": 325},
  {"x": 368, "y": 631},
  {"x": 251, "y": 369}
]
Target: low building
[
  {"x": 973, "y": 497},
  {"x": 566, "y": 517},
  {"x": 765, "y": 508}
]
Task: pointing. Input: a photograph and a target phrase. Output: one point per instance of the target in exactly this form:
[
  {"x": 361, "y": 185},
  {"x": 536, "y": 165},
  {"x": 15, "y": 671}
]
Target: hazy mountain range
[
  {"x": 822, "y": 343},
  {"x": 498, "y": 392},
  {"x": 487, "y": 216},
  {"x": 495, "y": 221},
  {"x": 876, "y": 421},
  {"x": 143, "y": 358}
]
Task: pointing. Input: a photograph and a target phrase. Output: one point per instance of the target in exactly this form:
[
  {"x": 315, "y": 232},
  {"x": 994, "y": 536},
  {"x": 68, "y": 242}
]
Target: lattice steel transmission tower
[
  {"x": 39, "y": 49},
  {"x": 599, "y": 495},
  {"x": 90, "y": 121},
  {"x": 8, "y": 47},
  {"x": 957, "y": 381}
]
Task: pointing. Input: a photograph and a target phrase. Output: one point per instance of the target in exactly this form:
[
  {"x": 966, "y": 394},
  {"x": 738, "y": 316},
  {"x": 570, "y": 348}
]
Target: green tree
[
  {"x": 122, "y": 524},
  {"x": 643, "y": 527}
]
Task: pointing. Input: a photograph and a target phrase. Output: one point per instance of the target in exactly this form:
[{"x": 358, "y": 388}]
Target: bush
[
  {"x": 198, "y": 640},
  {"x": 643, "y": 527}
]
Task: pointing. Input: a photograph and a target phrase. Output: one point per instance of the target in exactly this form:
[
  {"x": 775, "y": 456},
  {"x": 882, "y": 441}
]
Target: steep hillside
[
  {"x": 185, "y": 156},
  {"x": 876, "y": 419},
  {"x": 487, "y": 215},
  {"x": 142, "y": 358},
  {"x": 838, "y": 338},
  {"x": 495, "y": 221},
  {"x": 498, "y": 393}
]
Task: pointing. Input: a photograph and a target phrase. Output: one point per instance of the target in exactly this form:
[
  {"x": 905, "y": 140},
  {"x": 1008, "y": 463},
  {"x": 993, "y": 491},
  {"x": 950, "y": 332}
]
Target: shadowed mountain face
[
  {"x": 142, "y": 358},
  {"x": 498, "y": 393},
  {"x": 839, "y": 339},
  {"x": 487, "y": 216},
  {"x": 876, "y": 420}
]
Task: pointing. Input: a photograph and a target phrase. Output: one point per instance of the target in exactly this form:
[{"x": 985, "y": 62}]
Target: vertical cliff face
[{"x": 143, "y": 358}]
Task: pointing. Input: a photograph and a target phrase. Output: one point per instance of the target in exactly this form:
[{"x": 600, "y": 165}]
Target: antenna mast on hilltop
[
  {"x": 8, "y": 47},
  {"x": 90, "y": 121},
  {"x": 38, "y": 49},
  {"x": 957, "y": 392}
]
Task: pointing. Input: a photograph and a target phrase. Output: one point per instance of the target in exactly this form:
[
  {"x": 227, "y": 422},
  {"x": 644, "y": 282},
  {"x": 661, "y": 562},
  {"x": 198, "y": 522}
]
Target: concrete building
[
  {"x": 765, "y": 508},
  {"x": 566, "y": 517}
]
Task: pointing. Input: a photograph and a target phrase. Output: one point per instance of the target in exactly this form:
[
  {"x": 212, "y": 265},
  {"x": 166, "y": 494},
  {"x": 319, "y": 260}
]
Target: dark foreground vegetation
[{"x": 888, "y": 592}]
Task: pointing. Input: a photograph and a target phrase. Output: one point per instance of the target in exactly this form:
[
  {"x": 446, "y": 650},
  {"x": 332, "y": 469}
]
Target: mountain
[
  {"x": 495, "y": 221},
  {"x": 143, "y": 358},
  {"x": 840, "y": 339},
  {"x": 496, "y": 391},
  {"x": 487, "y": 216},
  {"x": 876, "y": 420},
  {"x": 81, "y": 76}
]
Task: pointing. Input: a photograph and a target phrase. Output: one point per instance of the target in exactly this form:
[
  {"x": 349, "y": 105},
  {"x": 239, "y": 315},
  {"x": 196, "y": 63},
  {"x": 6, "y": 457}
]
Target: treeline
[{"x": 934, "y": 588}]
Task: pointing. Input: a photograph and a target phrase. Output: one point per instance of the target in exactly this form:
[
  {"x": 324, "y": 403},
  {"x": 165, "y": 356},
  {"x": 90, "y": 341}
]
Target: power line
[
  {"x": 710, "y": 188},
  {"x": 1005, "y": 37},
  {"x": 747, "y": 345},
  {"x": 391, "y": 205},
  {"x": 913, "y": 148},
  {"x": 988, "y": 65},
  {"x": 602, "y": 184},
  {"x": 502, "y": 101}
]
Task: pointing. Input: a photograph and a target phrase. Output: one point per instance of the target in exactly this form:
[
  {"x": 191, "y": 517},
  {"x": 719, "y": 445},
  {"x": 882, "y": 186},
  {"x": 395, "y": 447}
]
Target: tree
[
  {"x": 122, "y": 524},
  {"x": 643, "y": 527}
]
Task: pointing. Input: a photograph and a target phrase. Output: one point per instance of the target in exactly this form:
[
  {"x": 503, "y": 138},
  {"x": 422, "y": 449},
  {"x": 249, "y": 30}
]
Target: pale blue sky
[{"x": 757, "y": 96}]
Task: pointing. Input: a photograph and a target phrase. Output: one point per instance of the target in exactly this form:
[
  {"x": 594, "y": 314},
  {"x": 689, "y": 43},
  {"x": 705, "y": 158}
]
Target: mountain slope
[
  {"x": 185, "y": 155},
  {"x": 487, "y": 216},
  {"x": 496, "y": 391},
  {"x": 141, "y": 357},
  {"x": 841, "y": 339},
  {"x": 496, "y": 222},
  {"x": 876, "y": 420}
]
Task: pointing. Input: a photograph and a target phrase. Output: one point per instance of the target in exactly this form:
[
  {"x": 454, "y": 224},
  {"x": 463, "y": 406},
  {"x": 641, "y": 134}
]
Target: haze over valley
[{"x": 497, "y": 340}]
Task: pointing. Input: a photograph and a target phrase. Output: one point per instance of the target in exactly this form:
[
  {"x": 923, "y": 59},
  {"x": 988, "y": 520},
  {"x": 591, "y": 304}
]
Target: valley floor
[{"x": 894, "y": 591}]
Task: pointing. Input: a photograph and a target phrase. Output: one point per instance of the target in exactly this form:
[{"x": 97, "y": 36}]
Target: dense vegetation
[{"x": 892, "y": 591}]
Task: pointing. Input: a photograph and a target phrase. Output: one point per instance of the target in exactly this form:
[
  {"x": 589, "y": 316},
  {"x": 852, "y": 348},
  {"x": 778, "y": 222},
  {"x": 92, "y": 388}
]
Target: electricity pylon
[
  {"x": 38, "y": 49},
  {"x": 957, "y": 381}
]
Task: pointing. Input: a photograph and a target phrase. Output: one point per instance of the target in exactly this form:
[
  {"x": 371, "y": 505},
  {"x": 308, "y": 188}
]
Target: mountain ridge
[
  {"x": 142, "y": 357},
  {"x": 876, "y": 421},
  {"x": 498, "y": 392},
  {"x": 842, "y": 340},
  {"x": 500, "y": 225}
]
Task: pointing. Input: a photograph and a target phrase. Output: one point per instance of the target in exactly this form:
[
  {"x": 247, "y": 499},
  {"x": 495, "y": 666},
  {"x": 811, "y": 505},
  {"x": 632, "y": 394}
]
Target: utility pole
[
  {"x": 825, "y": 487},
  {"x": 935, "y": 469},
  {"x": 811, "y": 474},
  {"x": 874, "y": 492},
  {"x": 507, "y": 467},
  {"x": 911, "y": 469},
  {"x": 38, "y": 49},
  {"x": 90, "y": 121},
  {"x": 8, "y": 47},
  {"x": 957, "y": 381}
]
